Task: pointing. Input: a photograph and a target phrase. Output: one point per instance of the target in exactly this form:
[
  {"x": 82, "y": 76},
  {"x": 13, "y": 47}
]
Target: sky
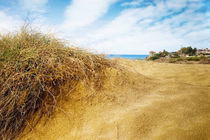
[{"x": 114, "y": 26}]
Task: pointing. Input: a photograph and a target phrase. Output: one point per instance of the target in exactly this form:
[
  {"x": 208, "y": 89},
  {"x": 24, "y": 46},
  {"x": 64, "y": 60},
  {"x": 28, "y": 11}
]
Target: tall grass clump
[{"x": 33, "y": 67}]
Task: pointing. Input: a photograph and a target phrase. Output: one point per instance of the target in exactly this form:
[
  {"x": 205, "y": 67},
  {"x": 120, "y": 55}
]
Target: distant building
[
  {"x": 151, "y": 53},
  {"x": 203, "y": 51}
]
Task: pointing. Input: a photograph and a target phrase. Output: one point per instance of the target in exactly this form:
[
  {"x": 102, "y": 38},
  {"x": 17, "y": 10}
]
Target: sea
[{"x": 127, "y": 56}]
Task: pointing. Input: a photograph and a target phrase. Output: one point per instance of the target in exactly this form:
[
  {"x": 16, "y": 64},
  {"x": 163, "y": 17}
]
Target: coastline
[{"x": 128, "y": 56}]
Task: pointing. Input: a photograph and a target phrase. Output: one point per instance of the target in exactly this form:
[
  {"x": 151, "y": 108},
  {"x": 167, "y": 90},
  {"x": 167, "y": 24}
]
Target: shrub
[
  {"x": 188, "y": 50},
  {"x": 33, "y": 67},
  {"x": 172, "y": 60},
  {"x": 179, "y": 59},
  {"x": 203, "y": 57},
  {"x": 195, "y": 58},
  {"x": 154, "y": 57},
  {"x": 174, "y": 55}
]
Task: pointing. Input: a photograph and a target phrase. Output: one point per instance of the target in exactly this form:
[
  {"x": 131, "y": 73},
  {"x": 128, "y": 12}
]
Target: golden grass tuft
[{"x": 32, "y": 68}]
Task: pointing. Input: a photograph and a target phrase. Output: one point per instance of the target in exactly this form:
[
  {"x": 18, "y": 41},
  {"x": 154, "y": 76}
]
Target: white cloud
[
  {"x": 125, "y": 34},
  {"x": 138, "y": 30},
  {"x": 132, "y": 3},
  {"x": 8, "y": 23},
  {"x": 84, "y": 12},
  {"x": 176, "y": 4},
  {"x": 33, "y": 5},
  {"x": 135, "y": 30}
]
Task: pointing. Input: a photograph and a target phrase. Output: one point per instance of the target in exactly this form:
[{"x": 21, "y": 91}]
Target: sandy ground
[{"x": 152, "y": 101}]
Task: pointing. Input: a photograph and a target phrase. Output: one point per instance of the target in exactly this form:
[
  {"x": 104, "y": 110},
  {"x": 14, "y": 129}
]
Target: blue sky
[{"x": 115, "y": 26}]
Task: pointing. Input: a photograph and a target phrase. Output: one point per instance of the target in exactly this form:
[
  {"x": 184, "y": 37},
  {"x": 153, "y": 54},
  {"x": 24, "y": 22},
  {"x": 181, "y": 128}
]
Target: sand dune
[{"x": 151, "y": 101}]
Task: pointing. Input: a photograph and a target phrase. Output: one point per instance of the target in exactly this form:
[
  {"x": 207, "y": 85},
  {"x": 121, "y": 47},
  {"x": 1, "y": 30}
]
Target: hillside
[
  {"x": 51, "y": 91},
  {"x": 150, "y": 101},
  {"x": 36, "y": 71}
]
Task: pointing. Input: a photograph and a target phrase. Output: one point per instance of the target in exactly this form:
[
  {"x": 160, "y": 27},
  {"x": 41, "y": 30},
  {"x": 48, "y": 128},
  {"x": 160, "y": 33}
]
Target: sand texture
[{"x": 150, "y": 101}]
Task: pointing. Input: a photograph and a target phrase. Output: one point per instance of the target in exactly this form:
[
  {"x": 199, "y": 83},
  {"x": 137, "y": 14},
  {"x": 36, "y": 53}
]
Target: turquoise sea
[{"x": 127, "y": 56}]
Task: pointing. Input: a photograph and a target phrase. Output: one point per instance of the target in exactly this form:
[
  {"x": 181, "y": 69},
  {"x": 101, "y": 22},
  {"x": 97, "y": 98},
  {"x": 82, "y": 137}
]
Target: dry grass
[
  {"x": 32, "y": 68},
  {"x": 136, "y": 100}
]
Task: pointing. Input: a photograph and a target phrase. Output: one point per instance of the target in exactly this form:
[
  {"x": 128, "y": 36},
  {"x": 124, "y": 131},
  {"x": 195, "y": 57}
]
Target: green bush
[
  {"x": 154, "y": 57},
  {"x": 174, "y": 55},
  {"x": 195, "y": 58},
  {"x": 203, "y": 57},
  {"x": 172, "y": 60},
  {"x": 179, "y": 59},
  {"x": 188, "y": 50}
]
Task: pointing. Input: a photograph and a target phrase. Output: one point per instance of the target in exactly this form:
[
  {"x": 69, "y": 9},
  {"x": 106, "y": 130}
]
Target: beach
[
  {"x": 105, "y": 70},
  {"x": 149, "y": 100}
]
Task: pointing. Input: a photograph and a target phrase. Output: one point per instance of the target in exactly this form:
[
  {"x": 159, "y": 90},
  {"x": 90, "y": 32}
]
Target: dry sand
[{"x": 152, "y": 101}]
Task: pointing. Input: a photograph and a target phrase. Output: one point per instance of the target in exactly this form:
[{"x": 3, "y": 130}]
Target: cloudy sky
[{"x": 115, "y": 26}]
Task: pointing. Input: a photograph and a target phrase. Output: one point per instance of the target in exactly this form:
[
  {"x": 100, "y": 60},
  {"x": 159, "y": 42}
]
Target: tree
[
  {"x": 188, "y": 50},
  {"x": 194, "y": 51},
  {"x": 165, "y": 53}
]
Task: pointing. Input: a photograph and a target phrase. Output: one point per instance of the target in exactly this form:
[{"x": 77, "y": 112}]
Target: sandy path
[{"x": 175, "y": 105}]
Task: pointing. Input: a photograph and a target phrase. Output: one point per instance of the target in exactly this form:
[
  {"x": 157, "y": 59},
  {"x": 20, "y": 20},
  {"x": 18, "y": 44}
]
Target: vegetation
[
  {"x": 184, "y": 54},
  {"x": 164, "y": 53},
  {"x": 32, "y": 68},
  {"x": 194, "y": 58},
  {"x": 154, "y": 57},
  {"x": 174, "y": 55},
  {"x": 188, "y": 50},
  {"x": 173, "y": 60}
]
